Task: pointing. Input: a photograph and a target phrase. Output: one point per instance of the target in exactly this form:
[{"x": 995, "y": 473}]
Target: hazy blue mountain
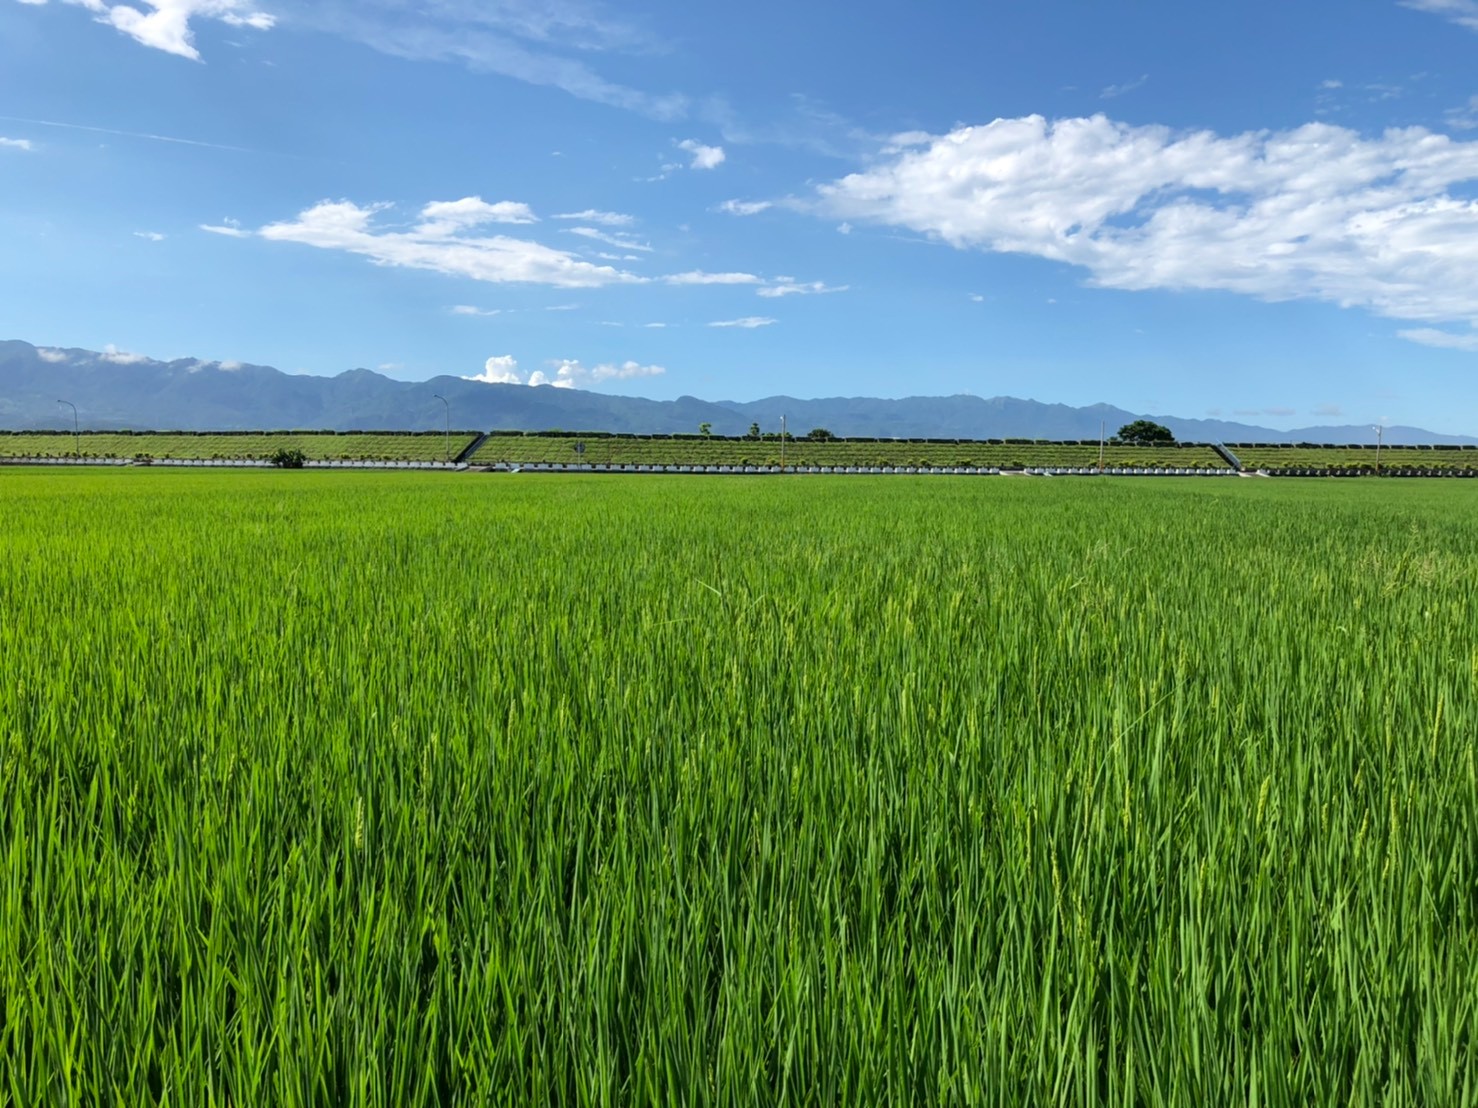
[{"x": 114, "y": 391}]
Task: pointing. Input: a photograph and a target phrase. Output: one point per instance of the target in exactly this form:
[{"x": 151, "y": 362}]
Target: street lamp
[
  {"x": 1379, "y": 434},
  {"x": 443, "y": 399},
  {"x": 76, "y": 437}
]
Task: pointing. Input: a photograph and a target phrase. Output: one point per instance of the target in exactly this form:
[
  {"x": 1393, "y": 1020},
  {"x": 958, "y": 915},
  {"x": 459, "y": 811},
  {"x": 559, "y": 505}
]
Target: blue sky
[{"x": 1263, "y": 211}]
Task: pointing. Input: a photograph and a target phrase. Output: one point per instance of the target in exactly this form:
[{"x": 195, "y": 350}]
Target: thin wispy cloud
[
  {"x": 1442, "y": 340},
  {"x": 610, "y": 238},
  {"x": 1113, "y": 92},
  {"x": 551, "y": 45},
  {"x": 699, "y": 277},
  {"x": 748, "y": 323},
  {"x": 1462, "y": 12},
  {"x": 789, "y": 286},
  {"x": 604, "y": 219}
]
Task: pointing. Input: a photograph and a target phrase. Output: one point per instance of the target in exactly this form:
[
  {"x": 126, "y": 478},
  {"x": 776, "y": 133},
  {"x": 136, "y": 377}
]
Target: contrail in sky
[{"x": 129, "y": 134}]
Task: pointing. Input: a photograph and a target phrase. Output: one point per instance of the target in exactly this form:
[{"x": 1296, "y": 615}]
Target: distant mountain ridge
[{"x": 116, "y": 392}]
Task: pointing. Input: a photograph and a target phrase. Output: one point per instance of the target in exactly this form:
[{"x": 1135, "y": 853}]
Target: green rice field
[
  {"x": 317, "y": 445},
  {"x": 430, "y": 788}
]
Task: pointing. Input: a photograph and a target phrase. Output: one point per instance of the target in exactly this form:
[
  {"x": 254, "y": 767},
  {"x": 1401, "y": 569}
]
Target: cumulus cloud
[
  {"x": 1443, "y": 340},
  {"x": 789, "y": 286},
  {"x": 699, "y": 277},
  {"x": 570, "y": 374},
  {"x": 447, "y": 217},
  {"x": 1317, "y": 212},
  {"x": 445, "y": 240},
  {"x": 564, "y": 373},
  {"x": 703, "y": 157},
  {"x": 55, "y": 357},
  {"x": 745, "y": 207},
  {"x": 468, "y": 309},
  {"x": 15, "y": 144},
  {"x": 749, "y": 322},
  {"x": 166, "y": 24},
  {"x": 502, "y": 369},
  {"x": 151, "y": 236}
]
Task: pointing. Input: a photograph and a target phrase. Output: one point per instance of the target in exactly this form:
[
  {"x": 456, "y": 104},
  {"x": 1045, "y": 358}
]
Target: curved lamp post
[
  {"x": 76, "y": 436},
  {"x": 443, "y": 399}
]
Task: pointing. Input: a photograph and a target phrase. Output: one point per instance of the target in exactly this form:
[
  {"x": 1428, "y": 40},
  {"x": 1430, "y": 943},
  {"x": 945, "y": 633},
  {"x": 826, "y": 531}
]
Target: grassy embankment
[
  {"x": 321, "y": 446},
  {"x": 1361, "y": 458},
  {"x": 694, "y": 450}
]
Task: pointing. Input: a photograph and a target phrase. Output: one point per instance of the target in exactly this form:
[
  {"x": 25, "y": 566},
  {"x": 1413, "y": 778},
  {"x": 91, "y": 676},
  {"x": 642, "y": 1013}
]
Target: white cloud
[
  {"x": 468, "y": 309},
  {"x": 228, "y": 227},
  {"x": 447, "y": 217},
  {"x": 112, "y": 354},
  {"x": 501, "y": 369},
  {"x": 656, "y": 326},
  {"x": 1462, "y": 12},
  {"x": 610, "y": 238},
  {"x": 1444, "y": 340},
  {"x": 704, "y": 157},
  {"x": 789, "y": 286},
  {"x": 55, "y": 357},
  {"x": 745, "y": 207},
  {"x": 432, "y": 245},
  {"x": 569, "y": 373},
  {"x": 1112, "y": 92},
  {"x": 605, "y": 219},
  {"x": 151, "y": 236},
  {"x": 1328, "y": 411},
  {"x": 565, "y": 373},
  {"x": 230, "y": 365},
  {"x": 1318, "y": 212},
  {"x": 1464, "y": 118},
  {"x": 749, "y": 322},
  {"x": 15, "y": 144},
  {"x": 698, "y": 277},
  {"x": 166, "y": 24},
  {"x": 540, "y": 44}
]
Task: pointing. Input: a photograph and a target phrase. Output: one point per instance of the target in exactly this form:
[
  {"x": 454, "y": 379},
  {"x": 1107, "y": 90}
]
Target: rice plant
[{"x": 332, "y": 788}]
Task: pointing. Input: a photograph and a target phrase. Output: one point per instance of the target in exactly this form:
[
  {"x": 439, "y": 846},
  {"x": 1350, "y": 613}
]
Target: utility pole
[
  {"x": 1102, "y": 430},
  {"x": 782, "y": 444},
  {"x": 76, "y": 436},
  {"x": 1380, "y": 433},
  {"x": 443, "y": 399}
]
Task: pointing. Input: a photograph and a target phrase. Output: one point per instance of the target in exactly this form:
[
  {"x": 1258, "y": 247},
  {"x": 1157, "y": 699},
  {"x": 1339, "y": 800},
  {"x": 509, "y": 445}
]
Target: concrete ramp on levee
[
  {"x": 471, "y": 448},
  {"x": 1227, "y": 456}
]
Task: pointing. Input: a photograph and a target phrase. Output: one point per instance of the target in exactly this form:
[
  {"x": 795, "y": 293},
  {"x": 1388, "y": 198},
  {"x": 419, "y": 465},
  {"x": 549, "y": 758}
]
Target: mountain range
[{"x": 114, "y": 391}]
